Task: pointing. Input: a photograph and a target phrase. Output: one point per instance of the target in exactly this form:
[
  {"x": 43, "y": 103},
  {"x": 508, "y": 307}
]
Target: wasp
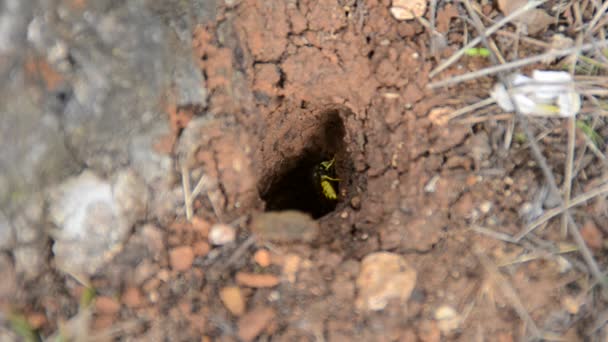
[{"x": 323, "y": 175}]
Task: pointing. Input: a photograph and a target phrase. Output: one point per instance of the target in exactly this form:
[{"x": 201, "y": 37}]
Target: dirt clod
[
  {"x": 257, "y": 280},
  {"x": 132, "y": 297},
  {"x": 233, "y": 300},
  {"x": 201, "y": 248},
  {"x": 254, "y": 322},
  {"x": 106, "y": 305},
  {"x": 285, "y": 227},
  {"x": 592, "y": 235},
  {"x": 384, "y": 276},
  {"x": 181, "y": 258}
]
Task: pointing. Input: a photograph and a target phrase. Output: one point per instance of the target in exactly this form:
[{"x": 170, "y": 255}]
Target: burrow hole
[{"x": 292, "y": 184}]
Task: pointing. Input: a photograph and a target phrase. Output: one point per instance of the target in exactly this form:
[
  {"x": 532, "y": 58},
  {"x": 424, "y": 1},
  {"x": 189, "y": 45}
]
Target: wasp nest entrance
[{"x": 311, "y": 168}]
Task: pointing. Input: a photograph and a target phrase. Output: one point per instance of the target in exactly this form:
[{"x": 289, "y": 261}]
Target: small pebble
[
  {"x": 201, "y": 248},
  {"x": 571, "y": 304},
  {"x": 384, "y": 276},
  {"x": 200, "y": 225},
  {"x": 36, "y": 320},
  {"x": 485, "y": 207},
  {"x": 132, "y": 297},
  {"x": 355, "y": 202},
  {"x": 254, "y": 322},
  {"x": 106, "y": 305},
  {"x": 257, "y": 280},
  {"x": 447, "y": 318},
  {"x": 221, "y": 234},
  {"x": 262, "y": 257},
  {"x": 181, "y": 258},
  {"x": 408, "y": 9},
  {"x": 233, "y": 300}
]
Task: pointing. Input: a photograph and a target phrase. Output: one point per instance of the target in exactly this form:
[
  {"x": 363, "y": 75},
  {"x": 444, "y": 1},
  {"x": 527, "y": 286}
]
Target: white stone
[
  {"x": 408, "y": 9},
  {"x": 94, "y": 218},
  {"x": 221, "y": 234},
  {"x": 384, "y": 276}
]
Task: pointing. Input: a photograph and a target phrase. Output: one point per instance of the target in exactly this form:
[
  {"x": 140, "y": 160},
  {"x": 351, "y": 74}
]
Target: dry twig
[
  {"x": 515, "y": 64},
  {"x": 487, "y": 32},
  {"x": 540, "y": 159}
]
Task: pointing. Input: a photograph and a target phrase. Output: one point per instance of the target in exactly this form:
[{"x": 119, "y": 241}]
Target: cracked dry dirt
[{"x": 296, "y": 83}]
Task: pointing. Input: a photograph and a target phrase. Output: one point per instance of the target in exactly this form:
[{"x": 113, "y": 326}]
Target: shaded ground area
[{"x": 179, "y": 156}]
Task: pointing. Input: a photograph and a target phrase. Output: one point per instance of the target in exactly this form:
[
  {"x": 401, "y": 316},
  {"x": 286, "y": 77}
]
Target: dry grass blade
[
  {"x": 489, "y": 31},
  {"x": 556, "y": 211},
  {"x": 568, "y": 172},
  {"x": 570, "y": 151},
  {"x": 516, "y": 64},
  {"x": 507, "y": 290},
  {"x": 574, "y": 231},
  {"x": 468, "y": 109},
  {"x": 494, "y": 234},
  {"x": 598, "y": 15},
  {"x": 542, "y": 162},
  {"x": 203, "y": 183},
  {"x": 186, "y": 188}
]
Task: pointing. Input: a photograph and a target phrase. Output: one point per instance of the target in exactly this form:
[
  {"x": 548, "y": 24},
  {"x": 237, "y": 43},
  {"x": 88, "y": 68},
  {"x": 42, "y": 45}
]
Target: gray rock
[
  {"x": 189, "y": 82},
  {"x": 131, "y": 196},
  {"x": 94, "y": 219},
  {"x": 121, "y": 62},
  {"x": 154, "y": 167},
  {"x": 8, "y": 285},
  {"x": 32, "y": 150},
  {"x": 29, "y": 261},
  {"x": 7, "y": 233},
  {"x": 27, "y": 222},
  {"x": 13, "y": 19}
]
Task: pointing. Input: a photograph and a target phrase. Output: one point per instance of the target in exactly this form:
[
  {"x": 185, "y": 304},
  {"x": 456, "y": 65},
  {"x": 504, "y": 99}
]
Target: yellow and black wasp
[{"x": 324, "y": 178}]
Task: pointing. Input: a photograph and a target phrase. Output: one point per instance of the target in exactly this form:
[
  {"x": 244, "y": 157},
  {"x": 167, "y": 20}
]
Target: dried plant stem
[
  {"x": 488, "y": 31},
  {"x": 186, "y": 189},
  {"x": 507, "y": 290},
  {"x": 515, "y": 64}
]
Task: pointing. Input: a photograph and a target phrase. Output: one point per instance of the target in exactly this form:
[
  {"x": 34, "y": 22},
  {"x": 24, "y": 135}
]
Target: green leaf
[
  {"x": 87, "y": 297},
  {"x": 590, "y": 132},
  {"x": 520, "y": 137},
  {"x": 477, "y": 52}
]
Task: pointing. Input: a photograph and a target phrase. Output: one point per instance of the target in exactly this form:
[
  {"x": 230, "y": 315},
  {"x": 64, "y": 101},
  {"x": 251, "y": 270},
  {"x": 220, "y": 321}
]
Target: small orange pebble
[
  {"x": 132, "y": 297},
  {"x": 106, "y": 305},
  {"x": 39, "y": 68},
  {"x": 36, "y": 320},
  {"x": 201, "y": 225},
  {"x": 472, "y": 180},
  {"x": 257, "y": 280},
  {"x": 233, "y": 300},
  {"x": 201, "y": 248},
  {"x": 181, "y": 258},
  {"x": 262, "y": 257}
]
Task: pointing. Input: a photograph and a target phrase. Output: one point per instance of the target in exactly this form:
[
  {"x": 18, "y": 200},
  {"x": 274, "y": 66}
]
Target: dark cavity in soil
[{"x": 295, "y": 185}]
